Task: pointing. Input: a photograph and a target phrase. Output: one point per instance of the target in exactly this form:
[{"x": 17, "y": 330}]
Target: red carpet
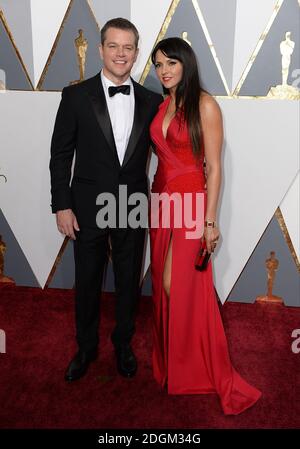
[{"x": 40, "y": 342}]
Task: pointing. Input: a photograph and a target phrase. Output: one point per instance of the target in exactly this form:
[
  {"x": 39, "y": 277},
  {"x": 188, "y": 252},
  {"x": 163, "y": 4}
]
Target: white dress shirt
[{"x": 121, "y": 113}]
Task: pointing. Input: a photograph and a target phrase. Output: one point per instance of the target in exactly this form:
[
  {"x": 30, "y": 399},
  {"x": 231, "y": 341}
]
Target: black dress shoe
[
  {"x": 79, "y": 365},
  {"x": 126, "y": 361}
]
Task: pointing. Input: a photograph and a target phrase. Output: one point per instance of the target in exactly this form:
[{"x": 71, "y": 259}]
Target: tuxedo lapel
[
  {"x": 98, "y": 101},
  {"x": 139, "y": 120}
]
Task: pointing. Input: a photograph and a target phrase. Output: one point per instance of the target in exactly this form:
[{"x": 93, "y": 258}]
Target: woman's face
[{"x": 168, "y": 70}]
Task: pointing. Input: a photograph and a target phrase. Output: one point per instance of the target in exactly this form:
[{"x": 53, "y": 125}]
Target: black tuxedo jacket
[{"x": 83, "y": 126}]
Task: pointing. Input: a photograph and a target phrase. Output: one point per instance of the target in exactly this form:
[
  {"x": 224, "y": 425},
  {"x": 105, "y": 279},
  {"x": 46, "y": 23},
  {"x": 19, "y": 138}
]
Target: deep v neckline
[{"x": 163, "y": 119}]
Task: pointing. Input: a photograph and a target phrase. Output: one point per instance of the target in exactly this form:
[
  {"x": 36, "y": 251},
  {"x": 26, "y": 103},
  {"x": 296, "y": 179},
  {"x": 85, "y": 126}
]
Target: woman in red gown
[{"x": 190, "y": 353}]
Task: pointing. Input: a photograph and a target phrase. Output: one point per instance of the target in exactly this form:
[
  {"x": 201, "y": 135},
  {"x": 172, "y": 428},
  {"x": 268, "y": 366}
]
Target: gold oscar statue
[
  {"x": 81, "y": 45},
  {"x": 271, "y": 266},
  {"x": 184, "y": 36},
  {"x": 284, "y": 90},
  {"x": 2, "y": 251}
]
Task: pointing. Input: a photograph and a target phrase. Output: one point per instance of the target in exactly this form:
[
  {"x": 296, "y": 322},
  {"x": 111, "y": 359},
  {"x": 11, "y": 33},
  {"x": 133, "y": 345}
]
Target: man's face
[{"x": 118, "y": 53}]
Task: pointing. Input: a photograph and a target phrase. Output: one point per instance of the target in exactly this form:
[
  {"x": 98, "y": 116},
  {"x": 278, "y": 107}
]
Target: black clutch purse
[{"x": 202, "y": 257}]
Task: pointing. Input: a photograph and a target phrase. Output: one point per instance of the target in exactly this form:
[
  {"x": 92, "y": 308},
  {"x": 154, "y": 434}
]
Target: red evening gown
[{"x": 190, "y": 353}]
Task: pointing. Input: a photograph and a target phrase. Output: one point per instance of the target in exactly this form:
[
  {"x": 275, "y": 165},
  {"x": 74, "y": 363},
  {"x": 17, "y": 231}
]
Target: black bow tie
[{"x": 113, "y": 90}]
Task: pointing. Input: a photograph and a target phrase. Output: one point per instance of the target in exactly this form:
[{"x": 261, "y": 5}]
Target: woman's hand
[{"x": 211, "y": 236}]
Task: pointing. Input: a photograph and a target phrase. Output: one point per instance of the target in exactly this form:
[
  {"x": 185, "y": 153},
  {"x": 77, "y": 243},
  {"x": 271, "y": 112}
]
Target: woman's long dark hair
[{"x": 189, "y": 89}]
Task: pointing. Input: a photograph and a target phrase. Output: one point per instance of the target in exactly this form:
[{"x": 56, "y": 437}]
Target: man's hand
[{"x": 67, "y": 222}]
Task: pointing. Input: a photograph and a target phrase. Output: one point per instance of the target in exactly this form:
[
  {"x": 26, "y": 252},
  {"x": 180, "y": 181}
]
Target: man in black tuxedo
[{"x": 105, "y": 122}]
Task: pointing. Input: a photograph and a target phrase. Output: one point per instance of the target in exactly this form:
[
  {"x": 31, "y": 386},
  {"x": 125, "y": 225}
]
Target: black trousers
[{"x": 90, "y": 253}]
